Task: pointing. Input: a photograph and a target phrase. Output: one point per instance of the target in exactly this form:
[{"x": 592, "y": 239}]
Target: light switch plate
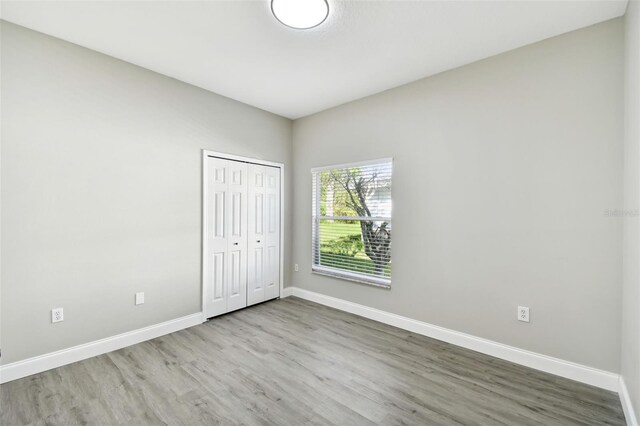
[{"x": 139, "y": 298}]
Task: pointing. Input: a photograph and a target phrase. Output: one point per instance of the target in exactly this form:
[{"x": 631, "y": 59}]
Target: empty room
[{"x": 319, "y": 212}]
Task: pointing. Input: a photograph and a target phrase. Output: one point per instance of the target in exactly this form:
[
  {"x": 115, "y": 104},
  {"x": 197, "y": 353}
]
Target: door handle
[
  {"x": 235, "y": 244},
  {"x": 257, "y": 241}
]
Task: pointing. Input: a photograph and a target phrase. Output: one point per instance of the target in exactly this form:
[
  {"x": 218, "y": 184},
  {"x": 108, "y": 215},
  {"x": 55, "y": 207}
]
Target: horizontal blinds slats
[
  {"x": 352, "y": 165},
  {"x": 358, "y": 218},
  {"x": 352, "y": 221}
]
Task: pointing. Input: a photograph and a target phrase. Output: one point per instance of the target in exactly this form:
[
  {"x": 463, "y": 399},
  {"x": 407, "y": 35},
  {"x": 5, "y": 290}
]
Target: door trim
[{"x": 204, "y": 245}]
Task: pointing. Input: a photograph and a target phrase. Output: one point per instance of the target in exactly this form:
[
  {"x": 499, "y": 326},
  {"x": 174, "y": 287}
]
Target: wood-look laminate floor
[{"x": 293, "y": 362}]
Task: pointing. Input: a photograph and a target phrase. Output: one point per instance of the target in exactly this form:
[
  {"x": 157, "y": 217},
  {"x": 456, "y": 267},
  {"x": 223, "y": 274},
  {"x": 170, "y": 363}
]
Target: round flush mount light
[{"x": 300, "y": 14}]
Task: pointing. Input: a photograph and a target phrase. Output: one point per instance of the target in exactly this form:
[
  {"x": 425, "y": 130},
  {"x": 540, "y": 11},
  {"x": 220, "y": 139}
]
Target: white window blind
[{"x": 352, "y": 221}]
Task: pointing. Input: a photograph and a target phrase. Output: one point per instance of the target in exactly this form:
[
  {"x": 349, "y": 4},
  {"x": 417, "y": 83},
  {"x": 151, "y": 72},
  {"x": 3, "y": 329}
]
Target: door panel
[
  {"x": 237, "y": 242},
  {"x": 218, "y": 276},
  {"x": 256, "y": 239},
  {"x": 272, "y": 233},
  {"x": 235, "y": 266},
  {"x": 272, "y": 213},
  {"x": 216, "y": 207},
  {"x": 258, "y": 215},
  {"x": 236, "y": 215},
  {"x": 218, "y": 214},
  {"x": 264, "y": 234},
  {"x": 258, "y": 261}
]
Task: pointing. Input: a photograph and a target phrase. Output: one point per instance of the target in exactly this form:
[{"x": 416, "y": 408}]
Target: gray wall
[
  {"x": 101, "y": 190},
  {"x": 503, "y": 170},
  {"x": 630, "y": 364}
]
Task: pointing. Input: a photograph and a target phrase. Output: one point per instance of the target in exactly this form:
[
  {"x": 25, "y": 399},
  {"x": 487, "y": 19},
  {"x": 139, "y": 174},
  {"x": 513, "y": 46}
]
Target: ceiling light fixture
[{"x": 300, "y": 14}]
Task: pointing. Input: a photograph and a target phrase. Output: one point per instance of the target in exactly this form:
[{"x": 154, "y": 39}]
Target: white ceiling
[{"x": 237, "y": 49}]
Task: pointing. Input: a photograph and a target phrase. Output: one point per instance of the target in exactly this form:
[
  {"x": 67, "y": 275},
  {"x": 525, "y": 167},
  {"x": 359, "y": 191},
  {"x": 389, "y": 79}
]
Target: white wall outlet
[
  {"x": 139, "y": 298},
  {"x": 295, "y": 267},
  {"x": 523, "y": 313},
  {"x": 57, "y": 315}
]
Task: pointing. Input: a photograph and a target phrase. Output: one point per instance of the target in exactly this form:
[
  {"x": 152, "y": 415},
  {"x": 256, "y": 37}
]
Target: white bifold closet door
[
  {"x": 228, "y": 236},
  {"x": 264, "y": 234},
  {"x": 242, "y": 214}
]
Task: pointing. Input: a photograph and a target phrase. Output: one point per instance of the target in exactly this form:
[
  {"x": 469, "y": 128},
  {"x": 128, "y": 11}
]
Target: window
[{"x": 352, "y": 221}]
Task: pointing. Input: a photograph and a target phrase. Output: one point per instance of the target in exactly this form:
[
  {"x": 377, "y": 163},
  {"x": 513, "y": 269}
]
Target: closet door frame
[{"x": 205, "y": 189}]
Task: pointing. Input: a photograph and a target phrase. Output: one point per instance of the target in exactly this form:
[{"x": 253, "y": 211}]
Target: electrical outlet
[
  {"x": 295, "y": 267},
  {"x": 523, "y": 313},
  {"x": 57, "y": 315},
  {"x": 139, "y": 298}
]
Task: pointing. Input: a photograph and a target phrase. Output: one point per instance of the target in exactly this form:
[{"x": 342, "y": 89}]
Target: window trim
[{"x": 335, "y": 272}]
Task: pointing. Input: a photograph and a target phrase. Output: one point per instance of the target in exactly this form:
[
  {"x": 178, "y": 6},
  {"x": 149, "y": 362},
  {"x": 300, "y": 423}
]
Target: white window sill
[{"x": 351, "y": 276}]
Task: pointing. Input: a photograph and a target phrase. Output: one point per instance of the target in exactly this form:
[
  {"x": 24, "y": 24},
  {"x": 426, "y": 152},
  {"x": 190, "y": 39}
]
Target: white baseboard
[
  {"x": 627, "y": 406},
  {"x": 559, "y": 367},
  {"x": 570, "y": 370},
  {"x": 286, "y": 292},
  {"x": 37, "y": 364}
]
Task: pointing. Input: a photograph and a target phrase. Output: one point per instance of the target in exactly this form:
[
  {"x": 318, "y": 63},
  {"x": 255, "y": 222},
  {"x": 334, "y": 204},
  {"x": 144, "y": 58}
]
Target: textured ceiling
[{"x": 238, "y": 49}]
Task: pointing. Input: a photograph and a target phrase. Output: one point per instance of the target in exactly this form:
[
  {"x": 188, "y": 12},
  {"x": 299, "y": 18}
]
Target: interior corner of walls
[
  {"x": 286, "y": 292},
  {"x": 627, "y": 404}
]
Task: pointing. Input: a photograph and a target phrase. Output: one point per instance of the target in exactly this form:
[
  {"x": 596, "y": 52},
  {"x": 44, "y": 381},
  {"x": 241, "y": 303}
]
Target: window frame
[{"x": 315, "y": 225}]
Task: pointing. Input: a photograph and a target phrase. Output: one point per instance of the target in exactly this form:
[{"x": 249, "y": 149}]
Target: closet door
[
  {"x": 242, "y": 235},
  {"x": 272, "y": 233},
  {"x": 264, "y": 234},
  {"x": 237, "y": 241},
  {"x": 257, "y": 239},
  {"x": 226, "y": 226},
  {"x": 216, "y": 261}
]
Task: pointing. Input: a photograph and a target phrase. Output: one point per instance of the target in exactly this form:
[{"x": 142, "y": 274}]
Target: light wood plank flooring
[{"x": 293, "y": 362}]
